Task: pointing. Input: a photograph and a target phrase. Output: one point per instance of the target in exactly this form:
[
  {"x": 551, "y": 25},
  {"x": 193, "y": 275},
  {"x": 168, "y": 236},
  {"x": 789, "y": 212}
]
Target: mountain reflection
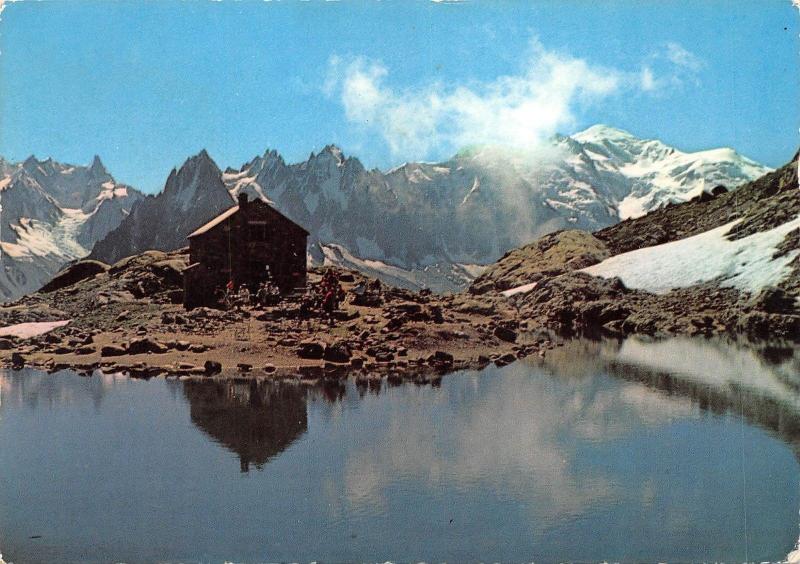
[
  {"x": 759, "y": 383},
  {"x": 34, "y": 389},
  {"x": 254, "y": 419}
]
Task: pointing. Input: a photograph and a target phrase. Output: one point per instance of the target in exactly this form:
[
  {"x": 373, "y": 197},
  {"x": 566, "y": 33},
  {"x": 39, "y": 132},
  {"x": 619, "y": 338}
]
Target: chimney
[{"x": 242, "y": 200}]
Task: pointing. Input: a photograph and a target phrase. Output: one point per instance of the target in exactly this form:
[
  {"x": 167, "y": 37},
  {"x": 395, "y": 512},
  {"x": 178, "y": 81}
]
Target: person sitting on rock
[
  {"x": 262, "y": 296},
  {"x": 244, "y": 296},
  {"x": 219, "y": 297}
]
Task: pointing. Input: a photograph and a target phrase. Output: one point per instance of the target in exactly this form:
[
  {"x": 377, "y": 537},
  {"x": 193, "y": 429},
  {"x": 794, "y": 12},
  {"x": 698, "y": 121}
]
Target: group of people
[
  {"x": 266, "y": 294},
  {"x": 325, "y": 297}
]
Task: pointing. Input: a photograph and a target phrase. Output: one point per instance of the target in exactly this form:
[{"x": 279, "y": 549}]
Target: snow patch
[
  {"x": 28, "y": 330},
  {"x": 746, "y": 264},
  {"x": 633, "y": 206},
  {"x": 476, "y": 185},
  {"x": 525, "y": 288}
]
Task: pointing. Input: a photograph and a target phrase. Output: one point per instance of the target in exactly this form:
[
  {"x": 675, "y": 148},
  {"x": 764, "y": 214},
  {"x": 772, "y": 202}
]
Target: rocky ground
[{"x": 128, "y": 317}]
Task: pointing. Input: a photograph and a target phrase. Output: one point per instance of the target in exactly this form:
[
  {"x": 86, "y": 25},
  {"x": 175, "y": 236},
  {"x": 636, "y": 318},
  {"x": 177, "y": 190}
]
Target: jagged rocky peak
[
  {"x": 195, "y": 169},
  {"x": 98, "y": 169},
  {"x": 269, "y": 160},
  {"x": 334, "y": 151},
  {"x": 329, "y": 154},
  {"x": 201, "y": 159},
  {"x": 30, "y": 163}
]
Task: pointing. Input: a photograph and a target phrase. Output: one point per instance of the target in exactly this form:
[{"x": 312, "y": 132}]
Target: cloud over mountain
[{"x": 546, "y": 95}]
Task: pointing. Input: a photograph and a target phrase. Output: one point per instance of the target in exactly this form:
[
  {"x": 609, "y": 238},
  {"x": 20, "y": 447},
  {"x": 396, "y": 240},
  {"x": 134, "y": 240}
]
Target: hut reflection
[{"x": 255, "y": 420}]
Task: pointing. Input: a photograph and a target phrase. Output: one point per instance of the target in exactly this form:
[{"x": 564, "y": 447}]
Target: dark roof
[{"x": 231, "y": 212}]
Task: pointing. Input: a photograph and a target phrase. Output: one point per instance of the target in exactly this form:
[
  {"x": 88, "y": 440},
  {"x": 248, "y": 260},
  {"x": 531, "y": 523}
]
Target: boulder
[
  {"x": 212, "y": 367},
  {"x": 311, "y": 350},
  {"x": 339, "y": 351},
  {"x": 506, "y": 359},
  {"x": 775, "y": 300},
  {"x": 384, "y": 357},
  {"x": 145, "y": 345},
  {"x": 112, "y": 350},
  {"x": 73, "y": 274},
  {"x": 17, "y": 360},
  {"x": 505, "y": 334},
  {"x": 441, "y": 358}
]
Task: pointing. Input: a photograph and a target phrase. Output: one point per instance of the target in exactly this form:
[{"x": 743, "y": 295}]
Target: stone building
[{"x": 245, "y": 245}]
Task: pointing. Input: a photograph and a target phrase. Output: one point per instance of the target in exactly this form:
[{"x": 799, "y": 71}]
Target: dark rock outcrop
[{"x": 74, "y": 273}]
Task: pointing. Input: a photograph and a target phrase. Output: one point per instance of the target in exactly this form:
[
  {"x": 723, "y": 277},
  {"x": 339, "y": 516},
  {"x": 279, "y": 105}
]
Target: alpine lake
[{"x": 647, "y": 451}]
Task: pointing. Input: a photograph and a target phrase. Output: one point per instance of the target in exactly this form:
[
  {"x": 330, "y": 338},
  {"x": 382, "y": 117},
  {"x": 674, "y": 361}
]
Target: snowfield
[{"x": 746, "y": 264}]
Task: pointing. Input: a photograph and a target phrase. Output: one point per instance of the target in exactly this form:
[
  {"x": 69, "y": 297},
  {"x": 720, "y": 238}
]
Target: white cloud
[
  {"x": 514, "y": 110},
  {"x": 648, "y": 80},
  {"x": 680, "y": 57}
]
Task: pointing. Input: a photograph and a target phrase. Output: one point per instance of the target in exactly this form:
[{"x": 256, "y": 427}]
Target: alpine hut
[{"x": 245, "y": 245}]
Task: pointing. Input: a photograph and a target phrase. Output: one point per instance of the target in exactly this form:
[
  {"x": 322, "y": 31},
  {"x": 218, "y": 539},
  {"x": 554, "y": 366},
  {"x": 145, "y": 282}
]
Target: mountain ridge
[
  {"x": 471, "y": 208},
  {"x": 421, "y": 224},
  {"x": 53, "y": 213}
]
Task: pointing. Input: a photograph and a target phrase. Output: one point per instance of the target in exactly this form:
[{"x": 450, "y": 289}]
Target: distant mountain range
[
  {"x": 53, "y": 213},
  {"x": 425, "y": 224}
]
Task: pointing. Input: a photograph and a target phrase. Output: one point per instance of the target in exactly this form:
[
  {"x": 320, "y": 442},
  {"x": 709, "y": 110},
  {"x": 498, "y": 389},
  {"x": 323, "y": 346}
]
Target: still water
[{"x": 674, "y": 451}]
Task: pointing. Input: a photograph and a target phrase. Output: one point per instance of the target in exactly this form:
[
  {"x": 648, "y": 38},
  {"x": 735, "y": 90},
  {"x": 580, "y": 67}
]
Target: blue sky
[{"x": 145, "y": 85}]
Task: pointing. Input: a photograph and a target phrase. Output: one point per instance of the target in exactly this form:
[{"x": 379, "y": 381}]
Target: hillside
[{"x": 729, "y": 263}]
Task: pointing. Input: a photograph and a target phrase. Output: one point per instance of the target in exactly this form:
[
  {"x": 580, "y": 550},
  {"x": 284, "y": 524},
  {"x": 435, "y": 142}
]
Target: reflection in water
[
  {"x": 629, "y": 451},
  {"x": 255, "y": 419},
  {"x": 28, "y": 387},
  {"x": 758, "y": 383}
]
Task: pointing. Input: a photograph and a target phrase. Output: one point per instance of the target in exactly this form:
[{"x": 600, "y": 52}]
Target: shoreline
[{"x": 126, "y": 319}]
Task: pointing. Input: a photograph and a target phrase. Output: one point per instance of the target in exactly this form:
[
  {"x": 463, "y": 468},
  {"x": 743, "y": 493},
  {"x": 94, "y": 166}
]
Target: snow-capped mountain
[
  {"x": 426, "y": 224},
  {"x": 53, "y": 213},
  {"x": 485, "y": 200},
  {"x": 192, "y": 195},
  {"x": 660, "y": 174}
]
